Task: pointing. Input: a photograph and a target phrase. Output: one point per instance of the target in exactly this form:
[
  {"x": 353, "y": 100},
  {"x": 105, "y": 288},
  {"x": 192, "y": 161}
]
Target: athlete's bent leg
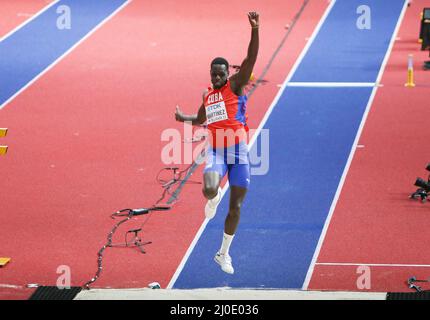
[{"x": 213, "y": 173}]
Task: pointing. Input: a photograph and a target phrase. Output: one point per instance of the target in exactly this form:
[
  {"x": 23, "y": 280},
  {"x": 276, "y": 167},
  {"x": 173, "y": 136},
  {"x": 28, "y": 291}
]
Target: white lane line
[
  {"x": 10, "y": 286},
  {"x": 7, "y": 35},
  {"x": 65, "y": 54},
  {"x": 372, "y": 264},
  {"x": 331, "y": 84},
  {"x": 354, "y": 147},
  {"x": 254, "y": 137}
]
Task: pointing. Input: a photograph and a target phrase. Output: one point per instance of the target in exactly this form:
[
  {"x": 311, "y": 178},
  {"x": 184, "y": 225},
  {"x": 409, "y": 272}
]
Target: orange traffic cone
[
  {"x": 3, "y": 149},
  {"x": 410, "y": 83}
]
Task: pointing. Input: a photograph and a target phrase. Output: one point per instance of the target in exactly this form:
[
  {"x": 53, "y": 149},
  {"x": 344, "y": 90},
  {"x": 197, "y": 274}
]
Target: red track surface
[
  {"x": 13, "y": 12},
  {"x": 374, "y": 221},
  {"x": 84, "y": 140}
]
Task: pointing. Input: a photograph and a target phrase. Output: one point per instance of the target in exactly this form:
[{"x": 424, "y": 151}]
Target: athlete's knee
[
  {"x": 234, "y": 209},
  {"x": 211, "y": 182},
  {"x": 210, "y": 191}
]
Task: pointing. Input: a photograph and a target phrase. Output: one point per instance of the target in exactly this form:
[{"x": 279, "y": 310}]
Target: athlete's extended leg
[
  {"x": 237, "y": 195},
  {"x": 239, "y": 177}
]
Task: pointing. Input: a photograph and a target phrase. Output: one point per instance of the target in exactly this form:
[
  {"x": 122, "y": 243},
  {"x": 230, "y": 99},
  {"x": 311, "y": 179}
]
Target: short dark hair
[{"x": 220, "y": 60}]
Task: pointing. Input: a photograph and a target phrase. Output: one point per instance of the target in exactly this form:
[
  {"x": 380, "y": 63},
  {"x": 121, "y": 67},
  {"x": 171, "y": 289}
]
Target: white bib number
[{"x": 216, "y": 112}]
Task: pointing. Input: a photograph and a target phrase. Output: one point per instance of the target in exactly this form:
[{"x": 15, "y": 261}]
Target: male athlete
[{"x": 224, "y": 110}]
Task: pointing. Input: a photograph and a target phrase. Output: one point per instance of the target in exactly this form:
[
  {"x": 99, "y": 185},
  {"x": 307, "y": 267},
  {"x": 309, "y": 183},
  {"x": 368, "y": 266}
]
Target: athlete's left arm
[{"x": 241, "y": 78}]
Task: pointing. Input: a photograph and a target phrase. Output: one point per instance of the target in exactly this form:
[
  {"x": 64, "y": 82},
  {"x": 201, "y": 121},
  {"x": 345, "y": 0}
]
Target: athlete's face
[{"x": 219, "y": 75}]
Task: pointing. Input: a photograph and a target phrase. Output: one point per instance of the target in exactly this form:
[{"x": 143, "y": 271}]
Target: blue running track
[{"x": 30, "y": 50}]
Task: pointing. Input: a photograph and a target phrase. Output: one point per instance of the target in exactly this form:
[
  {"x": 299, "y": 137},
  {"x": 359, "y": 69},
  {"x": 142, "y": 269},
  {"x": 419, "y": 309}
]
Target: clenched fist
[{"x": 253, "y": 19}]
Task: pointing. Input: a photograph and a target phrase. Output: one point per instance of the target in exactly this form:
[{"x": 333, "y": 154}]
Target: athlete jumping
[{"x": 224, "y": 110}]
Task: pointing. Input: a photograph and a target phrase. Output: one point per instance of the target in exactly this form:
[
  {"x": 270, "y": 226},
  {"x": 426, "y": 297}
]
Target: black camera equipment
[
  {"x": 425, "y": 34},
  {"x": 411, "y": 283},
  {"x": 424, "y": 188}
]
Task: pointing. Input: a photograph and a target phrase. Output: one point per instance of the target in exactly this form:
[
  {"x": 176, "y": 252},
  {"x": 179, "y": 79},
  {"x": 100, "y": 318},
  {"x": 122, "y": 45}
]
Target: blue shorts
[{"x": 234, "y": 159}]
